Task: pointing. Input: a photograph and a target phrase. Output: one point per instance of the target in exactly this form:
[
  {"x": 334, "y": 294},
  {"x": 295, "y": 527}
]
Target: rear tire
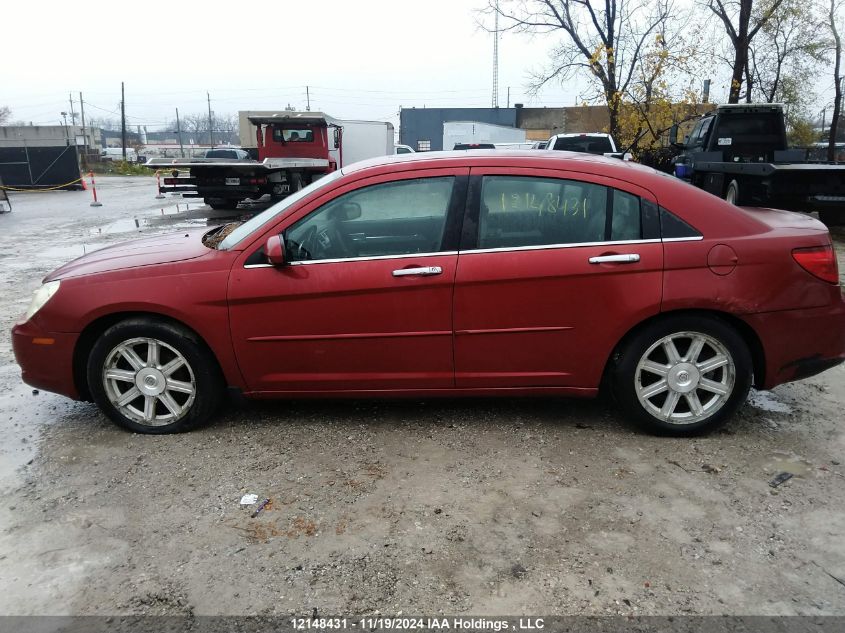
[
  {"x": 154, "y": 377},
  {"x": 221, "y": 204},
  {"x": 732, "y": 193},
  {"x": 682, "y": 375}
]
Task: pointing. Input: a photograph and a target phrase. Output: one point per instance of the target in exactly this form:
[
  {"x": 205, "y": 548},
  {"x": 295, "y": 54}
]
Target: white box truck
[
  {"x": 473, "y": 132},
  {"x": 366, "y": 139}
]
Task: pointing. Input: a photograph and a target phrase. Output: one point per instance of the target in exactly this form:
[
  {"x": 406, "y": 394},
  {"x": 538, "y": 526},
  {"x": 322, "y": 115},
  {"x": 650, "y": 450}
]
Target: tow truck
[
  {"x": 293, "y": 148},
  {"x": 739, "y": 152}
]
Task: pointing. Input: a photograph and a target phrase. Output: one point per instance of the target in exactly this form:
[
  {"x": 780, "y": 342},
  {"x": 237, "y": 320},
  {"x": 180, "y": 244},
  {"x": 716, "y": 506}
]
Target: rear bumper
[
  {"x": 800, "y": 343},
  {"x": 45, "y": 358}
]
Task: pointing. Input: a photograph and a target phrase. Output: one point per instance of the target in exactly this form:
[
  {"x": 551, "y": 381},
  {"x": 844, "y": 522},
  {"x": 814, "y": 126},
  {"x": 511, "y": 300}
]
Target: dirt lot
[{"x": 482, "y": 506}]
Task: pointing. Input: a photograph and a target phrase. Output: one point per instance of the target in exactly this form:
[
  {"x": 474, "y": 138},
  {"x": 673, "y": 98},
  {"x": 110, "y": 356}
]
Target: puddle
[
  {"x": 783, "y": 462},
  {"x": 20, "y": 431},
  {"x": 68, "y": 253},
  {"x": 181, "y": 216},
  {"x": 766, "y": 401}
]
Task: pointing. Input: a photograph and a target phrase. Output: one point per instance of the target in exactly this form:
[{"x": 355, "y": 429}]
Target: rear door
[{"x": 554, "y": 268}]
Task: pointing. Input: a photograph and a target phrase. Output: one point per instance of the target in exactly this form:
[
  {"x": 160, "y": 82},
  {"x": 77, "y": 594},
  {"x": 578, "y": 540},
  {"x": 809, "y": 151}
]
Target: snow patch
[{"x": 766, "y": 401}]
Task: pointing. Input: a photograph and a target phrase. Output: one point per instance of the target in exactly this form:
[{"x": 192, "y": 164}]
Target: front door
[
  {"x": 365, "y": 302},
  {"x": 553, "y": 271}
]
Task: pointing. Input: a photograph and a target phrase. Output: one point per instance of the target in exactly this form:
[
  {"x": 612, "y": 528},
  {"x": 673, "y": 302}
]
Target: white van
[{"x": 114, "y": 154}]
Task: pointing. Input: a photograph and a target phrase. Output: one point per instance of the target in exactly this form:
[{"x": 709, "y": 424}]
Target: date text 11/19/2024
[{"x": 417, "y": 623}]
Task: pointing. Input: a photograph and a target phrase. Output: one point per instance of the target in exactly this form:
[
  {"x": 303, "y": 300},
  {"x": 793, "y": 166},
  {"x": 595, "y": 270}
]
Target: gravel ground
[{"x": 471, "y": 506}]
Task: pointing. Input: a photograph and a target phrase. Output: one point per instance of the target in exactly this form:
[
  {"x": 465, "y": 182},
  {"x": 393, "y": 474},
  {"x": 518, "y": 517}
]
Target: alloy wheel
[
  {"x": 149, "y": 381},
  {"x": 685, "y": 377}
]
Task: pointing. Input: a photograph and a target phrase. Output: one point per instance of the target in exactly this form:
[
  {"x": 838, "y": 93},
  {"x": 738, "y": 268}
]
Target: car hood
[{"x": 161, "y": 249}]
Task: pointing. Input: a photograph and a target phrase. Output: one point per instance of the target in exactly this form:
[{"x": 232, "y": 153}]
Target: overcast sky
[{"x": 361, "y": 59}]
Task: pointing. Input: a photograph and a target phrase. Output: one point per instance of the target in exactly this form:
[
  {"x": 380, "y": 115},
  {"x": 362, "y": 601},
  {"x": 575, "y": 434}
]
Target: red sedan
[{"x": 467, "y": 273}]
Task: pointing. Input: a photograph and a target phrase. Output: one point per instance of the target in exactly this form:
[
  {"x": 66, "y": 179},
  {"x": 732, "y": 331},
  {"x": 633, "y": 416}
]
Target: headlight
[{"x": 40, "y": 297}]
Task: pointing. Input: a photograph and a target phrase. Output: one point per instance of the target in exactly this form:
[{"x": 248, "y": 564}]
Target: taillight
[{"x": 819, "y": 261}]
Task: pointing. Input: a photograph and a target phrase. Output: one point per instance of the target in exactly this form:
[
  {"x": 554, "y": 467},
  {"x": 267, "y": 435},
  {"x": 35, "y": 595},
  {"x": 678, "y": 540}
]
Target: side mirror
[
  {"x": 350, "y": 211},
  {"x": 337, "y": 137},
  {"x": 346, "y": 211},
  {"x": 274, "y": 250},
  {"x": 673, "y": 134}
]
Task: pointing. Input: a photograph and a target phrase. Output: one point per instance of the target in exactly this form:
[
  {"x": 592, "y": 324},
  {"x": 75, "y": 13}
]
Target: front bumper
[
  {"x": 800, "y": 343},
  {"x": 45, "y": 358}
]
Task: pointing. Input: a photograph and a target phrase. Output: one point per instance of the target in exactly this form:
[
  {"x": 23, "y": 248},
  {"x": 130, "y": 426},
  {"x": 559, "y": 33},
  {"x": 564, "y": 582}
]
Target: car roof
[
  {"x": 543, "y": 159},
  {"x": 559, "y": 160}
]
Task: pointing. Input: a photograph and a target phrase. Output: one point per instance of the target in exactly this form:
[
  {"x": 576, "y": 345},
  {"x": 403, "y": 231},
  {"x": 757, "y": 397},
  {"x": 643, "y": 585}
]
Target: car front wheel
[
  {"x": 153, "y": 377},
  {"x": 683, "y": 375}
]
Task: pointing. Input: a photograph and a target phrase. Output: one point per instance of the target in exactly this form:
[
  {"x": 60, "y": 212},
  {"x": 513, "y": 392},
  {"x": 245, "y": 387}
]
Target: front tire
[
  {"x": 683, "y": 375},
  {"x": 153, "y": 377}
]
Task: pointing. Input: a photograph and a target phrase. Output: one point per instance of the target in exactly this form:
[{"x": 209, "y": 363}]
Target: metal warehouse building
[{"x": 422, "y": 128}]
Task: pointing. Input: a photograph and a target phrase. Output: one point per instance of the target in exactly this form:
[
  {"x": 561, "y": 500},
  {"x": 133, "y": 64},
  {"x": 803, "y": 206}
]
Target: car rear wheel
[
  {"x": 153, "y": 377},
  {"x": 732, "y": 194},
  {"x": 683, "y": 375},
  {"x": 220, "y": 204}
]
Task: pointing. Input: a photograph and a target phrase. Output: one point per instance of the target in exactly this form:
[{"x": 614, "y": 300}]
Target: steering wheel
[
  {"x": 306, "y": 247},
  {"x": 331, "y": 242}
]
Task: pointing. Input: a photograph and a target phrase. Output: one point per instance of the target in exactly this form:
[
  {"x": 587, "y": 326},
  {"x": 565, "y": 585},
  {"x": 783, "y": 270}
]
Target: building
[{"x": 422, "y": 128}]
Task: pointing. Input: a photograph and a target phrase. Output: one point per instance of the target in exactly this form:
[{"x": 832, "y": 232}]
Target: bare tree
[
  {"x": 195, "y": 126},
  {"x": 104, "y": 123},
  {"x": 605, "y": 40},
  {"x": 749, "y": 18},
  {"x": 784, "y": 59},
  {"x": 5, "y": 114},
  {"x": 837, "y": 78}
]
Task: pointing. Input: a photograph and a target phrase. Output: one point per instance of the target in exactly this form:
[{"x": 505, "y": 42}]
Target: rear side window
[
  {"x": 673, "y": 227},
  {"x": 626, "y": 224},
  {"x": 517, "y": 211}
]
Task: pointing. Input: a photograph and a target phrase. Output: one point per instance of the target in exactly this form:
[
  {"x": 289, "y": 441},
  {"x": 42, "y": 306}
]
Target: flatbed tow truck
[
  {"x": 294, "y": 149},
  {"x": 739, "y": 153}
]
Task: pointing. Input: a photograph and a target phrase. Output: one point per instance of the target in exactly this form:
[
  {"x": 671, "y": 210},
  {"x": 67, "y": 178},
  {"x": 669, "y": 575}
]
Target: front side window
[
  {"x": 518, "y": 211},
  {"x": 292, "y": 136},
  {"x": 396, "y": 218}
]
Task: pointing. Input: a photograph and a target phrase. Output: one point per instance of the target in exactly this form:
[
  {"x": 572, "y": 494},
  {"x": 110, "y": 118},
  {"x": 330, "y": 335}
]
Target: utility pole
[
  {"x": 496, "y": 59},
  {"x": 179, "y": 134},
  {"x": 210, "y": 128},
  {"x": 123, "y": 120},
  {"x": 72, "y": 113},
  {"x": 307, "y": 99},
  {"x": 509, "y": 97},
  {"x": 84, "y": 135}
]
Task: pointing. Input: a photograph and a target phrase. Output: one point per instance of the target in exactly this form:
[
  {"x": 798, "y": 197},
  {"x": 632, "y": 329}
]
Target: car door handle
[
  {"x": 628, "y": 258},
  {"x": 421, "y": 271}
]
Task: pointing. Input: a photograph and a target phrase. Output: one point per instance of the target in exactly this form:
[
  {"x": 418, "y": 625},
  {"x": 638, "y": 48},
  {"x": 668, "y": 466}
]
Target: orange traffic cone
[{"x": 82, "y": 182}]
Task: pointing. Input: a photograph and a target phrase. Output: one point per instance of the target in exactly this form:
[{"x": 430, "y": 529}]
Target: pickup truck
[
  {"x": 588, "y": 142},
  {"x": 739, "y": 152}
]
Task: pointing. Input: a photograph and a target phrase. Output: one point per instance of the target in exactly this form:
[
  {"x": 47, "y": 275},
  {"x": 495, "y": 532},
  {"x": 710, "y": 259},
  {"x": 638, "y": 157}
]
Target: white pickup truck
[{"x": 589, "y": 142}]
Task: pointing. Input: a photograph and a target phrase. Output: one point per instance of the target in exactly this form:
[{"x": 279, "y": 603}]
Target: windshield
[{"x": 276, "y": 211}]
